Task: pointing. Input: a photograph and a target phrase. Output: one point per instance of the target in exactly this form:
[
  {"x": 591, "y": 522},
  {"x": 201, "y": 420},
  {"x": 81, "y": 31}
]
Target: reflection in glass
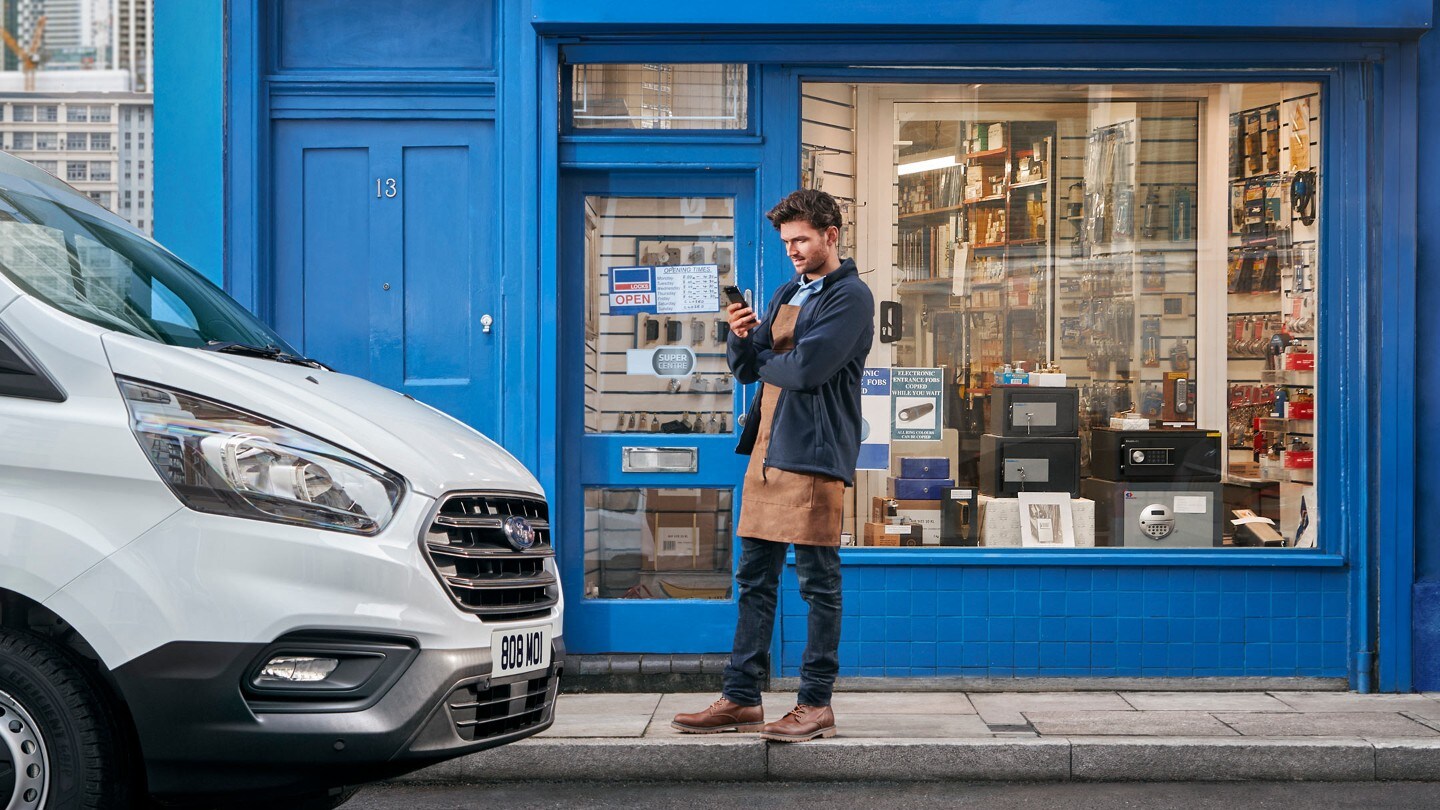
[
  {"x": 655, "y": 96},
  {"x": 658, "y": 543}
]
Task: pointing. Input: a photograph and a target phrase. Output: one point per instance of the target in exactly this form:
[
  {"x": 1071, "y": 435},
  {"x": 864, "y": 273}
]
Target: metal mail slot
[
  {"x": 1027, "y": 470},
  {"x": 1032, "y": 414},
  {"x": 660, "y": 459}
]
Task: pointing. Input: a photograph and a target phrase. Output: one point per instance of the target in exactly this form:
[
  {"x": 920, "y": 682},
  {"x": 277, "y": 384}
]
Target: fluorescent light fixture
[{"x": 926, "y": 165}]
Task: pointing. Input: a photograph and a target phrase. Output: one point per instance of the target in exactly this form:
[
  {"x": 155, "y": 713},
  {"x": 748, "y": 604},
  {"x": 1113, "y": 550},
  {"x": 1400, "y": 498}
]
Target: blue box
[
  {"x": 920, "y": 489},
  {"x": 925, "y": 468}
]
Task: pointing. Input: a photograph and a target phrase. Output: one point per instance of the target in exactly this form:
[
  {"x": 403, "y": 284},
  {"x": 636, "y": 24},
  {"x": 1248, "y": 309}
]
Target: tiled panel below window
[{"x": 983, "y": 622}]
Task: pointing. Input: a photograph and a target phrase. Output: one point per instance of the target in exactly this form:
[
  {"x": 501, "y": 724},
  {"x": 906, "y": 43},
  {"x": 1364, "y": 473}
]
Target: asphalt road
[{"x": 988, "y": 795}]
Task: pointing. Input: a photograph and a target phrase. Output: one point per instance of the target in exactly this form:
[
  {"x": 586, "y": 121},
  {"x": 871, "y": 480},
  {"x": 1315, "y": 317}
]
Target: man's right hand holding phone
[{"x": 742, "y": 319}]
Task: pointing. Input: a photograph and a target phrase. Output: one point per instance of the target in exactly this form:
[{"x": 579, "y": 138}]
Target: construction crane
[{"x": 29, "y": 57}]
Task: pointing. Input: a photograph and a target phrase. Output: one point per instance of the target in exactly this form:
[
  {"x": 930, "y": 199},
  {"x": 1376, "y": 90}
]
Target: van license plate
[{"x": 520, "y": 650}]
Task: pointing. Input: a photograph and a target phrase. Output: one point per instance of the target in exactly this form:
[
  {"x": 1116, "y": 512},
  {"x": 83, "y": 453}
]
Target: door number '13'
[{"x": 386, "y": 187}]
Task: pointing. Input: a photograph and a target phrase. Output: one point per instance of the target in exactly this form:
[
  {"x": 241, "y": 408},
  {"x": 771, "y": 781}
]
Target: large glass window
[
  {"x": 656, "y": 96},
  {"x": 1097, "y": 312},
  {"x": 658, "y": 543}
]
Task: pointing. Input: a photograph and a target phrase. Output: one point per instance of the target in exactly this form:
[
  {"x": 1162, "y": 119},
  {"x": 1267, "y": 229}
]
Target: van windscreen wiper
[{"x": 268, "y": 352}]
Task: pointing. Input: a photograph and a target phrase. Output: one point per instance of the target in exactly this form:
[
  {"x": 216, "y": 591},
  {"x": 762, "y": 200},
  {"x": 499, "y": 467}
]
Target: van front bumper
[{"x": 204, "y": 733}]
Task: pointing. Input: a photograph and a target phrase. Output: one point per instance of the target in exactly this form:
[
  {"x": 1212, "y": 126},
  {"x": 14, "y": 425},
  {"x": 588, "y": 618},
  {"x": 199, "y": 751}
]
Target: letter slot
[{"x": 660, "y": 460}]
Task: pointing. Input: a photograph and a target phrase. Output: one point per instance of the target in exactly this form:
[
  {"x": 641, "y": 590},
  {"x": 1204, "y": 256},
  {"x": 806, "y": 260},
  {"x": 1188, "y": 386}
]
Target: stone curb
[{"x": 731, "y": 758}]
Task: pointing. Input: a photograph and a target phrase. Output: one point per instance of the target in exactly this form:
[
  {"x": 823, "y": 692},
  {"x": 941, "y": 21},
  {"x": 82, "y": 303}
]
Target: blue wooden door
[
  {"x": 649, "y": 485},
  {"x": 383, "y": 246}
]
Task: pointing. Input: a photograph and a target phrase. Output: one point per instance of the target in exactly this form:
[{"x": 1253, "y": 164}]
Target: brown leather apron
[{"x": 779, "y": 505}]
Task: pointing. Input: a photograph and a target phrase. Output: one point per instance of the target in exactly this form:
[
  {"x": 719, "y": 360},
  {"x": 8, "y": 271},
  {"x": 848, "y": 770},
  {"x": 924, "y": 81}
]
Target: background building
[{"x": 90, "y": 118}]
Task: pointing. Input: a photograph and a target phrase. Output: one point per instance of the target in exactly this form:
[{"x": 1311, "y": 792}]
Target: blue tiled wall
[{"x": 998, "y": 622}]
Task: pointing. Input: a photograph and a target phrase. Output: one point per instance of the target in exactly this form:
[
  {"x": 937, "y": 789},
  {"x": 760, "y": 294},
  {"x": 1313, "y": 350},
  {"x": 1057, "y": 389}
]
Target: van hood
[{"x": 434, "y": 452}]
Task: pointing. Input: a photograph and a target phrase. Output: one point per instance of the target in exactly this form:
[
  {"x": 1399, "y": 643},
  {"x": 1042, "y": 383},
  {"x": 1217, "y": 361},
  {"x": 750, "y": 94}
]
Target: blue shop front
[{"x": 1147, "y": 386}]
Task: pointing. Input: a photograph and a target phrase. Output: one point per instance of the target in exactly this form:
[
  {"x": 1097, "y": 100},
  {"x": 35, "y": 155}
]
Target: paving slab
[
  {"x": 1325, "y": 724},
  {"x": 617, "y": 705},
  {"x": 708, "y": 759},
  {"x": 840, "y": 759},
  {"x": 1352, "y": 702},
  {"x": 1205, "y": 701},
  {"x": 1414, "y": 760},
  {"x": 1006, "y": 708},
  {"x": 1220, "y": 759},
  {"x": 1129, "y": 724},
  {"x": 597, "y": 725},
  {"x": 891, "y": 726},
  {"x": 901, "y": 703}
]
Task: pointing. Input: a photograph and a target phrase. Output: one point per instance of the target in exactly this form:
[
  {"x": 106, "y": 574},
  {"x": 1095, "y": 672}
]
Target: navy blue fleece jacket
[{"x": 816, "y": 427}]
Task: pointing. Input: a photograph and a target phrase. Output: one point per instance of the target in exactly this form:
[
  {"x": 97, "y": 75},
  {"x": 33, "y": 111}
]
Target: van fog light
[{"x": 295, "y": 669}]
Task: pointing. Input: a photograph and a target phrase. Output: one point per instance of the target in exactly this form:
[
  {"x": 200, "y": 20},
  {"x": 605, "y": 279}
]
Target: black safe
[
  {"x": 1010, "y": 465},
  {"x": 1155, "y": 455},
  {"x": 1029, "y": 410}
]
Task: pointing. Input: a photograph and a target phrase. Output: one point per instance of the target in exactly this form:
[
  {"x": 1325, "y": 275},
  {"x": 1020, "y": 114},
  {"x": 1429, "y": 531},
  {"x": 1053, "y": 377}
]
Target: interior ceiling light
[{"x": 926, "y": 165}]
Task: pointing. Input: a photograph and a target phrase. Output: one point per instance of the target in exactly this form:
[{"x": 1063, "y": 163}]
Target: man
[{"x": 803, "y": 435}]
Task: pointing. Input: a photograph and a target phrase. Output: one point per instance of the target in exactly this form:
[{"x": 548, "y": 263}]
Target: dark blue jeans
[{"x": 758, "y": 581}]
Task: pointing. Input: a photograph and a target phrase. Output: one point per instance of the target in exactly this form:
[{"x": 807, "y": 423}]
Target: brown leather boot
[
  {"x": 800, "y": 724},
  {"x": 722, "y": 715}
]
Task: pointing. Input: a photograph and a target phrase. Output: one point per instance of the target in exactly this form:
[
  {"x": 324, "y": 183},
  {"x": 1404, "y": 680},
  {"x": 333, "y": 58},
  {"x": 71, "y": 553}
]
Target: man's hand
[{"x": 742, "y": 319}]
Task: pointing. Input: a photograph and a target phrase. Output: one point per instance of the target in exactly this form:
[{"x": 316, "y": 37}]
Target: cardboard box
[
  {"x": 927, "y": 514},
  {"x": 883, "y": 534},
  {"x": 680, "y": 541},
  {"x": 682, "y": 500}
]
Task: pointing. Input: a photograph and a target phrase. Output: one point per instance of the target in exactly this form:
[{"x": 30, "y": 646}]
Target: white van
[{"x": 227, "y": 571}]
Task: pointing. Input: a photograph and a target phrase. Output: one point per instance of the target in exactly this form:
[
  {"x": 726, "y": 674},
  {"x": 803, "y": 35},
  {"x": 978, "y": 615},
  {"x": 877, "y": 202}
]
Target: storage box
[
  {"x": 683, "y": 500},
  {"x": 919, "y": 489},
  {"x": 925, "y": 468},
  {"x": 927, "y": 514},
  {"x": 882, "y": 534},
  {"x": 679, "y": 541}
]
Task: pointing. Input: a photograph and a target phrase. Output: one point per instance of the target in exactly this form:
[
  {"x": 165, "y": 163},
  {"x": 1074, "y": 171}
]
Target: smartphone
[{"x": 734, "y": 296}]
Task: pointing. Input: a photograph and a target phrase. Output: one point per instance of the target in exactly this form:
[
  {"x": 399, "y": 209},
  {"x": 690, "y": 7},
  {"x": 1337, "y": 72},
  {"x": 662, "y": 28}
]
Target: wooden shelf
[
  {"x": 992, "y": 198},
  {"x": 931, "y": 212},
  {"x": 988, "y": 153},
  {"x": 1031, "y": 183},
  {"x": 989, "y": 245},
  {"x": 927, "y": 285}
]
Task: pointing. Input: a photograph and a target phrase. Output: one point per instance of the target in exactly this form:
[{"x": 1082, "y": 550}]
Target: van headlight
[{"x": 219, "y": 459}]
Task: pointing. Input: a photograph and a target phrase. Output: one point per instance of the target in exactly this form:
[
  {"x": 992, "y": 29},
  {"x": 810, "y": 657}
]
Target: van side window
[{"x": 20, "y": 375}]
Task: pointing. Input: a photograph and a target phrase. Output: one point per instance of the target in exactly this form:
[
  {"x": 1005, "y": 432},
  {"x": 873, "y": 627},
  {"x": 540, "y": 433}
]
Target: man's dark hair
[{"x": 810, "y": 205}]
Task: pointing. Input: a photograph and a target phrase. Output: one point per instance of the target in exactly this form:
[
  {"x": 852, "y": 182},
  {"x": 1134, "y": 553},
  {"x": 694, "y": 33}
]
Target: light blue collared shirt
[{"x": 807, "y": 289}]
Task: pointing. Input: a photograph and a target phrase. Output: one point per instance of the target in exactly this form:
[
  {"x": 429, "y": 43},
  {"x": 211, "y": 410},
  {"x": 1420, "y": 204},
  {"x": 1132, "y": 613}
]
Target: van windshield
[{"x": 114, "y": 279}]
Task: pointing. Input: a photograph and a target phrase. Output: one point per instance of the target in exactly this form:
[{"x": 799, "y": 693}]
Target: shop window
[
  {"x": 1097, "y": 312},
  {"x": 654, "y": 96},
  {"x": 658, "y": 543},
  {"x": 654, "y": 335}
]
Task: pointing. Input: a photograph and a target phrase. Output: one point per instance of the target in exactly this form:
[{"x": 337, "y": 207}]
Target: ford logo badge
[{"x": 519, "y": 533}]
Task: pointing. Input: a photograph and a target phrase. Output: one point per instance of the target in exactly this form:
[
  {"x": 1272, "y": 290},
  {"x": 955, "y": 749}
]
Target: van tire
[{"x": 87, "y": 766}]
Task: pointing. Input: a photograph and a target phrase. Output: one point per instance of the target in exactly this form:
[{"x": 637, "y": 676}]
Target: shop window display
[{"x": 1097, "y": 321}]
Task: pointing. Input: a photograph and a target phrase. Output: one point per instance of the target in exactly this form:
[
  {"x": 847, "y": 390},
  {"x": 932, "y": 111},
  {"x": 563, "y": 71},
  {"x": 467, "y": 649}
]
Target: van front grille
[
  {"x": 480, "y": 713},
  {"x": 480, "y": 568}
]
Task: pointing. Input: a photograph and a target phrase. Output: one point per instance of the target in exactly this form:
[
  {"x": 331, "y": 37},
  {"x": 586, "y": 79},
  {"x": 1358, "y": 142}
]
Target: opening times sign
[{"x": 665, "y": 289}]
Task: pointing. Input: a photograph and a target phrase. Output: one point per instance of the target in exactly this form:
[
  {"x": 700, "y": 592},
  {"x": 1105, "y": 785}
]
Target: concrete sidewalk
[{"x": 1024, "y": 736}]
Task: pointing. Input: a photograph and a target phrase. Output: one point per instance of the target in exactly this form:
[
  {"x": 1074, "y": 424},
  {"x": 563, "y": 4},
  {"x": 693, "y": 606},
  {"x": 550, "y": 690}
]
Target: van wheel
[{"x": 58, "y": 741}]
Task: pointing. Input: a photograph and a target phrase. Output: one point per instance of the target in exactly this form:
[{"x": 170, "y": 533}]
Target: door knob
[{"x": 486, "y": 322}]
